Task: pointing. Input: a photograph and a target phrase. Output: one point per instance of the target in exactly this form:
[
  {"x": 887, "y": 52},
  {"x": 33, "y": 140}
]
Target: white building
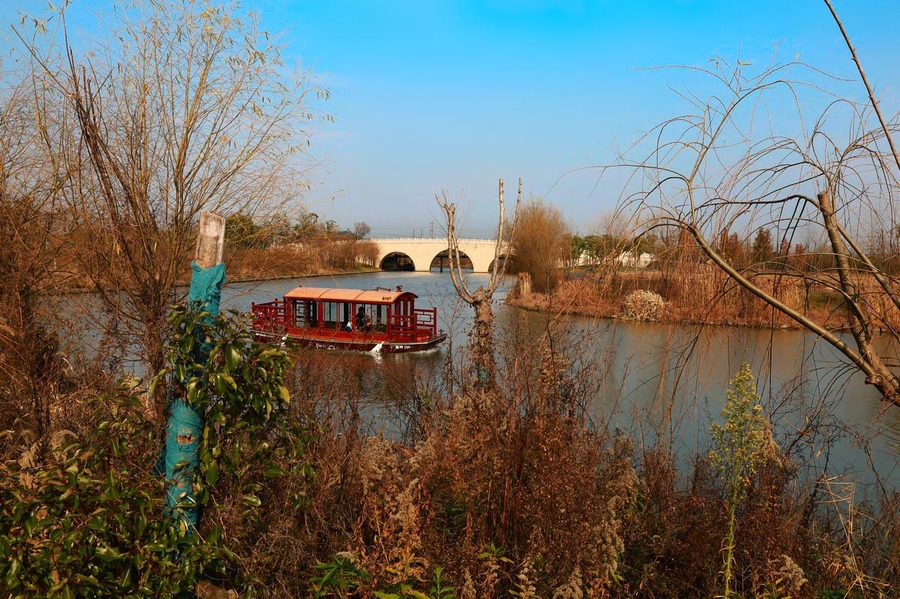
[{"x": 635, "y": 260}]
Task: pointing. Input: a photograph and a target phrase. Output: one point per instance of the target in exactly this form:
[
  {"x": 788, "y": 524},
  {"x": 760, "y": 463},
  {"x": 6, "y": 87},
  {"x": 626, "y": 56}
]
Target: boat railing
[
  {"x": 268, "y": 316},
  {"x": 426, "y": 319},
  {"x": 421, "y": 323}
]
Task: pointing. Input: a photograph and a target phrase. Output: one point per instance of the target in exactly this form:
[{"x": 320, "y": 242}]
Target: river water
[{"x": 666, "y": 382}]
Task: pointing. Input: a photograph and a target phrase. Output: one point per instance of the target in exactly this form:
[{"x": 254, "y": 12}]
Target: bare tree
[
  {"x": 186, "y": 108},
  {"x": 32, "y": 252},
  {"x": 361, "y": 230},
  {"x": 482, "y": 335},
  {"x": 731, "y": 164}
]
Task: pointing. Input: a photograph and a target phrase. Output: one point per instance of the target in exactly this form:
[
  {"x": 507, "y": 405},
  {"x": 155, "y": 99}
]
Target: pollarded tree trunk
[{"x": 482, "y": 337}]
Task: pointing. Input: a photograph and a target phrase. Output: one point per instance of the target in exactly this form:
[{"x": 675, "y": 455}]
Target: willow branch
[
  {"x": 865, "y": 81},
  {"x": 774, "y": 302}
]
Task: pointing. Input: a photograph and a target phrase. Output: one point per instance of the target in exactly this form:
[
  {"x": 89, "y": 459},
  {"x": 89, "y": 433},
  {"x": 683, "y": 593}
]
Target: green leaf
[
  {"x": 273, "y": 471},
  {"x": 212, "y": 474},
  {"x": 13, "y": 571},
  {"x": 180, "y": 372},
  {"x": 192, "y": 388},
  {"x": 284, "y": 394},
  {"x": 252, "y": 500},
  {"x": 232, "y": 357},
  {"x": 91, "y": 580},
  {"x": 218, "y": 383}
]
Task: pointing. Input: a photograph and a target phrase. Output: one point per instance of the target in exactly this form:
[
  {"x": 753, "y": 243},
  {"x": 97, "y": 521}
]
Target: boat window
[
  {"x": 296, "y": 313},
  {"x": 331, "y": 315},
  {"x": 347, "y": 319},
  {"x": 304, "y": 313},
  {"x": 379, "y": 317},
  {"x": 310, "y": 313},
  {"x": 369, "y": 317}
]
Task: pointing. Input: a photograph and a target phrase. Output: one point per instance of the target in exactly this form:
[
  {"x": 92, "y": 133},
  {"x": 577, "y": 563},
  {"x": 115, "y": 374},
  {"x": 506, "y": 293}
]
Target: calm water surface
[{"x": 664, "y": 381}]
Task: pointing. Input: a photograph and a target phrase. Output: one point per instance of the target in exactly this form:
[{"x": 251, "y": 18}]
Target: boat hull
[{"x": 357, "y": 344}]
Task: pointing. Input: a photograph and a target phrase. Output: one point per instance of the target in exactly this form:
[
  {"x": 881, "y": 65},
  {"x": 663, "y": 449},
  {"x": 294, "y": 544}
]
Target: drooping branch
[
  {"x": 865, "y": 80},
  {"x": 760, "y": 188},
  {"x": 874, "y": 270},
  {"x": 866, "y": 359}
]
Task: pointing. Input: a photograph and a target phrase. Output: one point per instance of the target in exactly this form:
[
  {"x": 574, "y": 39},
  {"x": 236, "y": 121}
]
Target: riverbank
[
  {"x": 702, "y": 295},
  {"x": 386, "y": 474},
  {"x": 244, "y": 266},
  {"x": 285, "y": 263}
]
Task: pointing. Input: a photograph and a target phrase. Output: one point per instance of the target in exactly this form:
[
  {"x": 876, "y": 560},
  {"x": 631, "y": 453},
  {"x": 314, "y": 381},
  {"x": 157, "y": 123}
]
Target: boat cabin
[{"x": 349, "y": 318}]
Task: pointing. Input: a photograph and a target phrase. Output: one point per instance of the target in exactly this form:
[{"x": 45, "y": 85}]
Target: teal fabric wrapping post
[
  {"x": 206, "y": 286},
  {"x": 185, "y": 424}
]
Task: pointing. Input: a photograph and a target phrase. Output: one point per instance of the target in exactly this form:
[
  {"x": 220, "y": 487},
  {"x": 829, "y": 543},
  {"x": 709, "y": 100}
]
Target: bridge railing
[{"x": 426, "y": 239}]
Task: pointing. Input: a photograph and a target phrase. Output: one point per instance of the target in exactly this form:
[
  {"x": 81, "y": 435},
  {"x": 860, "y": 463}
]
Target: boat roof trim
[{"x": 359, "y": 296}]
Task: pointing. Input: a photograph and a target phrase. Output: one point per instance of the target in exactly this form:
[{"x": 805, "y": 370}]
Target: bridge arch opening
[
  {"x": 503, "y": 260},
  {"x": 397, "y": 261},
  {"x": 441, "y": 261}
]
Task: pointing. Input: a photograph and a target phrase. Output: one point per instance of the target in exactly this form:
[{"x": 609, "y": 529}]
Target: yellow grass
[{"x": 699, "y": 293}]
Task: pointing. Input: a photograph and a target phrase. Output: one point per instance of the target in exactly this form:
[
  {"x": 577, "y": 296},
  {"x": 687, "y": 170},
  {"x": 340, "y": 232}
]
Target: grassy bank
[{"x": 285, "y": 263}]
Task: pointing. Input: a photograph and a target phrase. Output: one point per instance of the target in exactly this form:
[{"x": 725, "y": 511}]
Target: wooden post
[
  {"x": 210, "y": 240},
  {"x": 185, "y": 425}
]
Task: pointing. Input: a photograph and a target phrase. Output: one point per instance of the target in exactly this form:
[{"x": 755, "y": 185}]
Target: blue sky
[{"x": 440, "y": 95}]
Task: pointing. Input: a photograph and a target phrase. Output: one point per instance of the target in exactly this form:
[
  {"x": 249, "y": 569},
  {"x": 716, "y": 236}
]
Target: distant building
[{"x": 635, "y": 260}]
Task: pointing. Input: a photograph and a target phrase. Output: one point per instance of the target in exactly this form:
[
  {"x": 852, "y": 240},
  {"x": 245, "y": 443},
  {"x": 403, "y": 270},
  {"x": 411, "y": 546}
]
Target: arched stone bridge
[{"x": 422, "y": 251}]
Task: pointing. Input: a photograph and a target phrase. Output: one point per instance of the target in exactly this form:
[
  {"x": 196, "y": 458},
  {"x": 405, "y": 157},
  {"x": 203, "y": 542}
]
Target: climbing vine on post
[{"x": 239, "y": 389}]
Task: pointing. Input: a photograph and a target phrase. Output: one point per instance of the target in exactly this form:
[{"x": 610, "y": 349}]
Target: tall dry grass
[
  {"x": 700, "y": 293},
  {"x": 524, "y": 490}
]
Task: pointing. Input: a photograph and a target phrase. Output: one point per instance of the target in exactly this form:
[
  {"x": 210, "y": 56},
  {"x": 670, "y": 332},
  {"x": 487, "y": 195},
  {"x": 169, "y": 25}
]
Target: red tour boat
[{"x": 380, "y": 320}]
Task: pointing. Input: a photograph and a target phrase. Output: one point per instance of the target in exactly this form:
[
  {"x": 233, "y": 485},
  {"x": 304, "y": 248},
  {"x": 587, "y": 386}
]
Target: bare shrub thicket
[
  {"x": 526, "y": 490},
  {"x": 541, "y": 245},
  {"x": 33, "y": 262},
  {"x": 501, "y": 493}
]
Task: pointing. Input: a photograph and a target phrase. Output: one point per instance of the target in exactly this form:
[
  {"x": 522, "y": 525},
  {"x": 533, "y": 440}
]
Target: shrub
[
  {"x": 90, "y": 521},
  {"x": 643, "y": 305},
  {"x": 742, "y": 444}
]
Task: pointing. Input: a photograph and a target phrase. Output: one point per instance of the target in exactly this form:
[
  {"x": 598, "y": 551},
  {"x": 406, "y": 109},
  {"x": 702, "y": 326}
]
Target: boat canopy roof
[{"x": 348, "y": 295}]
